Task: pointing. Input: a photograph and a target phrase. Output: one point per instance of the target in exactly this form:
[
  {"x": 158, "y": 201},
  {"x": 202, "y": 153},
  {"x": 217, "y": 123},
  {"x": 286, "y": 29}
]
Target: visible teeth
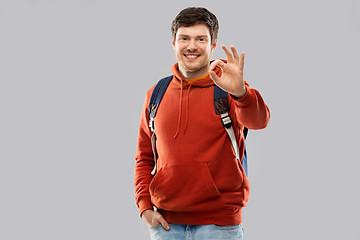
[{"x": 192, "y": 56}]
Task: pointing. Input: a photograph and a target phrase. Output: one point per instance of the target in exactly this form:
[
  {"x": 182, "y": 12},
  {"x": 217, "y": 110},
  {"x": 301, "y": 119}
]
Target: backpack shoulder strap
[
  {"x": 222, "y": 108},
  {"x": 156, "y": 97}
]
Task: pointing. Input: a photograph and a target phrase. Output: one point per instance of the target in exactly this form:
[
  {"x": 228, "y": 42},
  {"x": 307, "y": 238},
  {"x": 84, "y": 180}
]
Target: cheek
[
  {"x": 205, "y": 52},
  {"x": 179, "y": 49}
]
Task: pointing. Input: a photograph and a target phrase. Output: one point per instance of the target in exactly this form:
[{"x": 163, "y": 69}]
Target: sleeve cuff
[
  {"x": 244, "y": 100},
  {"x": 145, "y": 204}
]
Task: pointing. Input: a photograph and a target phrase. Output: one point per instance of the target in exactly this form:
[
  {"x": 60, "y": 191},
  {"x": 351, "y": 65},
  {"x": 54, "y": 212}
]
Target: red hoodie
[{"x": 199, "y": 180}]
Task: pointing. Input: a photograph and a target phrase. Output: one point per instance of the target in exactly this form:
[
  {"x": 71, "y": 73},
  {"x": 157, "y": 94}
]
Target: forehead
[{"x": 196, "y": 30}]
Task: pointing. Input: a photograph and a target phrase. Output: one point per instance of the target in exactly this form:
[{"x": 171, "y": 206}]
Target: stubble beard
[{"x": 200, "y": 66}]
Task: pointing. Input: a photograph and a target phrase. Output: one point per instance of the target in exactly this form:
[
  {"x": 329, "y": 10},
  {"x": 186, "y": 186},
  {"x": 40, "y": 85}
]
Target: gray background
[{"x": 73, "y": 79}]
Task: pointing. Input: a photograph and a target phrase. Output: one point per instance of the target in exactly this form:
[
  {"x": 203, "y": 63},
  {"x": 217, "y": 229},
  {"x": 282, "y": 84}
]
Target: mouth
[{"x": 191, "y": 56}]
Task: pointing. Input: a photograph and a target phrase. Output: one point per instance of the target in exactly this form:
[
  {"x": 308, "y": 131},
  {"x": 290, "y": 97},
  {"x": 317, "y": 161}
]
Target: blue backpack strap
[
  {"x": 156, "y": 97},
  {"x": 222, "y": 108}
]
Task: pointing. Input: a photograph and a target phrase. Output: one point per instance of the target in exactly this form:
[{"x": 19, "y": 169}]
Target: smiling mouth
[{"x": 191, "y": 56}]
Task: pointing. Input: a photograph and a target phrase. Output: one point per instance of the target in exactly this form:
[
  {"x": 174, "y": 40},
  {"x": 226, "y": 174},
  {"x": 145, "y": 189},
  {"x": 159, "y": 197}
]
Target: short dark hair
[{"x": 196, "y": 15}]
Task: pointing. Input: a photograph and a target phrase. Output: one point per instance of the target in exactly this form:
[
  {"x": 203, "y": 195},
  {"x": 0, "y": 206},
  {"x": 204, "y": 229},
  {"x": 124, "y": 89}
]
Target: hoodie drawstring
[
  {"x": 180, "y": 108},
  {"x": 187, "y": 109}
]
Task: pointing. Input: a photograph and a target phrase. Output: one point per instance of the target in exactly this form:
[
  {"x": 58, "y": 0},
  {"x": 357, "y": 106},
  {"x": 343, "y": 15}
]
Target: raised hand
[{"x": 232, "y": 79}]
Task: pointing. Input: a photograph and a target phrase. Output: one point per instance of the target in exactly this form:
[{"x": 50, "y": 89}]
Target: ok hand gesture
[{"x": 231, "y": 80}]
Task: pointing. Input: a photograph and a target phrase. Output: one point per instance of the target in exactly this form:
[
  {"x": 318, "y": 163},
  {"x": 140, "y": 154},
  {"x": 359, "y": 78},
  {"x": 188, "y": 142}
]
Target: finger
[
  {"x": 212, "y": 71},
  {"x": 242, "y": 60},
  {"x": 217, "y": 63},
  {"x": 214, "y": 76},
  {"x": 235, "y": 53},
  {"x": 228, "y": 53},
  {"x": 163, "y": 222}
]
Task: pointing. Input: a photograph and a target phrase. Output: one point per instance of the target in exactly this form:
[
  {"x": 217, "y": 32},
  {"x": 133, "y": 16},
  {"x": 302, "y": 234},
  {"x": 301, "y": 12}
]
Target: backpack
[{"x": 221, "y": 105}]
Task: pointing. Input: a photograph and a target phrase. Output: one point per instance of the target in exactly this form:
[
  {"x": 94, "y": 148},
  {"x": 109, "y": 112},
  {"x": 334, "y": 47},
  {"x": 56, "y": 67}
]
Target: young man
[{"x": 199, "y": 188}]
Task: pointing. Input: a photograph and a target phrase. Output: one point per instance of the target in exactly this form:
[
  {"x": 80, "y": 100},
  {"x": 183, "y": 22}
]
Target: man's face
[{"x": 193, "y": 48}]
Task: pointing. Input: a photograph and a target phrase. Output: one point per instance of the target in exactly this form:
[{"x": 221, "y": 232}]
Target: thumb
[
  {"x": 214, "y": 76},
  {"x": 213, "y": 65},
  {"x": 163, "y": 222}
]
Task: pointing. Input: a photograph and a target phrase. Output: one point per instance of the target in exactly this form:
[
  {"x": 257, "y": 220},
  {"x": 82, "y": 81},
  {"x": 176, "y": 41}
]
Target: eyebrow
[{"x": 200, "y": 36}]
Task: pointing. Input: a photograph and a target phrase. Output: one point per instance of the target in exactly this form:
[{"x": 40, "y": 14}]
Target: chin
[
  {"x": 195, "y": 68},
  {"x": 192, "y": 69}
]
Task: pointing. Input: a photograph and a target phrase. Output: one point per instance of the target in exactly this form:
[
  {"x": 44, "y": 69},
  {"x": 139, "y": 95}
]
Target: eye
[
  {"x": 202, "y": 40},
  {"x": 183, "y": 38}
]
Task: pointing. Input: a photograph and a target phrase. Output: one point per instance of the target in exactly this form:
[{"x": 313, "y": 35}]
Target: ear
[
  {"x": 213, "y": 45},
  {"x": 173, "y": 41}
]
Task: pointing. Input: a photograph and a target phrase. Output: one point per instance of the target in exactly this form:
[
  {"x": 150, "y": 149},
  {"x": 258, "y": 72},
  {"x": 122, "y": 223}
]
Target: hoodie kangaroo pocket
[{"x": 185, "y": 187}]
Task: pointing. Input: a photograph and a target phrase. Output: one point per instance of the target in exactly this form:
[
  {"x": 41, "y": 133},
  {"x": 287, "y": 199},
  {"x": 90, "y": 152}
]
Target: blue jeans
[{"x": 198, "y": 232}]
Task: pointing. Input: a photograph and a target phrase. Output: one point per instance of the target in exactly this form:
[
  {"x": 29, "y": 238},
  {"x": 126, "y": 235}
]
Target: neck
[{"x": 186, "y": 74}]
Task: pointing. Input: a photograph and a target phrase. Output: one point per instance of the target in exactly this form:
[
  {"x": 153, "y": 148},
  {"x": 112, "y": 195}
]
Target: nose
[{"x": 192, "y": 45}]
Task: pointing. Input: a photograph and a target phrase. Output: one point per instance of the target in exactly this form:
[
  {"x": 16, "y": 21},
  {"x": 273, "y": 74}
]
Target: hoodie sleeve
[
  {"x": 144, "y": 160},
  {"x": 251, "y": 110}
]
